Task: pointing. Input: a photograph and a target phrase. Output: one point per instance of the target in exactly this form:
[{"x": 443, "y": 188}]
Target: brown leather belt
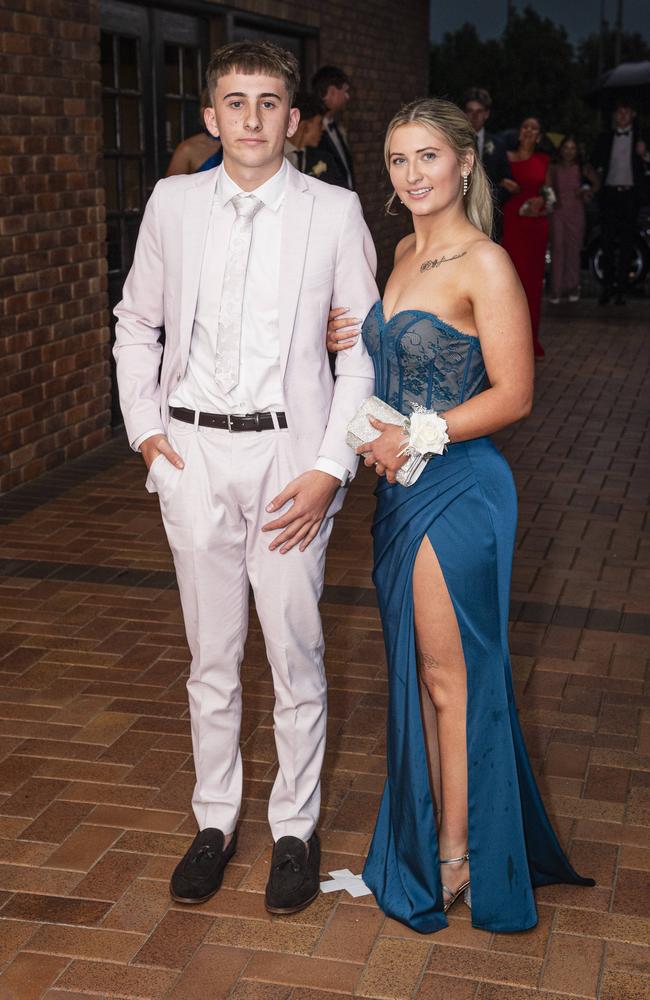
[{"x": 230, "y": 421}]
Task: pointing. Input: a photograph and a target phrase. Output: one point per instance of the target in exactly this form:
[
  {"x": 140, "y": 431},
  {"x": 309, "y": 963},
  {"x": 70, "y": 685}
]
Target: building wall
[
  {"x": 54, "y": 376},
  {"x": 54, "y": 337}
]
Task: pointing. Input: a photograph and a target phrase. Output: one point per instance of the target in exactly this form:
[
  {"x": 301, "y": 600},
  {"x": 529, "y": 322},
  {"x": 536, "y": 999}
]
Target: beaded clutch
[{"x": 361, "y": 431}]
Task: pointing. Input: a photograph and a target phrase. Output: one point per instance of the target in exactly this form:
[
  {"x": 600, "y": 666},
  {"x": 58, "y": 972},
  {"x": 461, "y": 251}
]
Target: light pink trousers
[{"x": 213, "y": 511}]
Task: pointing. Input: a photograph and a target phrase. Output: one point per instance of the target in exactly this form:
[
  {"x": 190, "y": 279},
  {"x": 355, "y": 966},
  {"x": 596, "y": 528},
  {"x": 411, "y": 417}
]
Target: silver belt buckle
[{"x": 229, "y": 419}]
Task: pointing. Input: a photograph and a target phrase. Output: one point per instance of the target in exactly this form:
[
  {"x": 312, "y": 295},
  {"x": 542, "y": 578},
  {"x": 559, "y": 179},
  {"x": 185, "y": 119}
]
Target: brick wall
[
  {"x": 54, "y": 368},
  {"x": 54, "y": 338}
]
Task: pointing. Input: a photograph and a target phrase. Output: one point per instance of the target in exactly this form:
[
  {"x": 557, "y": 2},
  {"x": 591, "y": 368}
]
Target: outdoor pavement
[{"x": 95, "y": 755}]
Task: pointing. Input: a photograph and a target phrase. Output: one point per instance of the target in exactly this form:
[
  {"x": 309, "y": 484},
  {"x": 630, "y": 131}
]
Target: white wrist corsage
[{"x": 427, "y": 433}]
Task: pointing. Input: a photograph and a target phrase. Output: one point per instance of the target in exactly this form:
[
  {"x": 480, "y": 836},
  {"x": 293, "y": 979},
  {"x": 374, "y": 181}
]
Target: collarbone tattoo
[{"x": 428, "y": 265}]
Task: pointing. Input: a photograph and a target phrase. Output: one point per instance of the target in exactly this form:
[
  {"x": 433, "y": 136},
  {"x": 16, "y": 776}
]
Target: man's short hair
[
  {"x": 309, "y": 105},
  {"x": 478, "y": 94},
  {"x": 254, "y": 57},
  {"x": 326, "y": 77}
]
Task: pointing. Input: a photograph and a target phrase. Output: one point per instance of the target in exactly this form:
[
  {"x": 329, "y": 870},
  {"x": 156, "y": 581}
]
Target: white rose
[{"x": 428, "y": 434}]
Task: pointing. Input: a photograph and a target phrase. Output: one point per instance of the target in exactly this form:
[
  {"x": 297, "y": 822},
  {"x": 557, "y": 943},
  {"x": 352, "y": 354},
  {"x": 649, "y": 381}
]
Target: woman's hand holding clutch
[
  {"x": 342, "y": 330},
  {"x": 383, "y": 451}
]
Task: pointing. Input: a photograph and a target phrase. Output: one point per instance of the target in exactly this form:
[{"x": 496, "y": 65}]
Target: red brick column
[{"x": 54, "y": 368}]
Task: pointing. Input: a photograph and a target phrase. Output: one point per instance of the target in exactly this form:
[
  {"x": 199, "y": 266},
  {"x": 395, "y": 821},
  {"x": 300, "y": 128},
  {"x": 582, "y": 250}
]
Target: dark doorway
[{"x": 153, "y": 63}]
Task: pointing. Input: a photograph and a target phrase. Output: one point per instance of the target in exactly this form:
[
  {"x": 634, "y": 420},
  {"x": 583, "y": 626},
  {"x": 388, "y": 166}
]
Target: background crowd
[{"x": 563, "y": 190}]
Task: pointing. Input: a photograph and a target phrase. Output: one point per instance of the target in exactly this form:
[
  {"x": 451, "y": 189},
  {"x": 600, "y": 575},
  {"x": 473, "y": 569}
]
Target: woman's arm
[
  {"x": 592, "y": 176},
  {"x": 502, "y": 319},
  {"x": 181, "y": 161}
]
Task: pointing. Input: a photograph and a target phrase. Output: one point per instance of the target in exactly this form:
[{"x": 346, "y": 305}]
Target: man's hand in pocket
[{"x": 159, "y": 445}]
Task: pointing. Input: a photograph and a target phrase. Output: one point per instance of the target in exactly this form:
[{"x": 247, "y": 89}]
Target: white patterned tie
[{"x": 226, "y": 369}]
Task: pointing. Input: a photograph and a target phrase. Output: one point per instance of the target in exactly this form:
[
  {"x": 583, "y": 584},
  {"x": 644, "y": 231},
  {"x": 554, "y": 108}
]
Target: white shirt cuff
[
  {"x": 333, "y": 469},
  {"x": 143, "y": 437}
]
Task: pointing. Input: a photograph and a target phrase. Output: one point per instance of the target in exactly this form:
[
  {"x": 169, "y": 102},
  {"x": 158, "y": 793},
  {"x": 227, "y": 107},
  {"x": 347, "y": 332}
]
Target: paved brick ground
[{"x": 96, "y": 768}]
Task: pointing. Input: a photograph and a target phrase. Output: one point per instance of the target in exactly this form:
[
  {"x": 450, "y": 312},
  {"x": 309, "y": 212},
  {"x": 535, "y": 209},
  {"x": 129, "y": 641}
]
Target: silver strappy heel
[{"x": 463, "y": 889}]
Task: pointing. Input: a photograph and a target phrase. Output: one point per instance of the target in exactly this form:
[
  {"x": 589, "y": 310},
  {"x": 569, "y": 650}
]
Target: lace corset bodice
[{"x": 419, "y": 359}]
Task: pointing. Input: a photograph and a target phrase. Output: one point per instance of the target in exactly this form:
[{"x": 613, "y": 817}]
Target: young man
[
  {"x": 332, "y": 87},
  {"x": 243, "y": 433},
  {"x": 477, "y": 105},
  {"x": 301, "y": 149},
  {"x": 619, "y": 156}
]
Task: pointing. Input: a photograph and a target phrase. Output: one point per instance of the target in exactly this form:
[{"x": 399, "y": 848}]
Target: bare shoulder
[
  {"x": 489, "y": 262},
  {"x": 485, "y": 253},
  {"x": 403, "y": 246}
]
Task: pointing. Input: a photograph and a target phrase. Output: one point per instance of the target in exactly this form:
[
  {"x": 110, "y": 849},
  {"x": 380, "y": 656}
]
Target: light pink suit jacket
[{"x": 327, "y": 256}]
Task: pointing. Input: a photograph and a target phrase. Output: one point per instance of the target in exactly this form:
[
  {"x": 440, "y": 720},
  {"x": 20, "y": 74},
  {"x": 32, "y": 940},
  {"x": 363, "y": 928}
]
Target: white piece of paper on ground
[{"x": 344, "y": 879}]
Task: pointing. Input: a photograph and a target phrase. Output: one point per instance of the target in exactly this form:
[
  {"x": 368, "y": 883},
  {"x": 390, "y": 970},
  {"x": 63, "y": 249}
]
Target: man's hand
[
  {"x": 312, "y": 493},
  {"x": 159, "y": 445}
]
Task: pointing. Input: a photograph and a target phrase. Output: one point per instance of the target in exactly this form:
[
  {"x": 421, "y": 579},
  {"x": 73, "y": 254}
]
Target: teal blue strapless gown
[{"x": 465, "y": 503}]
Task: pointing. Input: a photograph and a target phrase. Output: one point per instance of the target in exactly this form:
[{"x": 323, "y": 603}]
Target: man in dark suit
[
  {"x": 620, "y": 157},
  {"x": 302, "y": 148},
  {"x": 332, "y": 87},
  {"x": 477, "y": 105}
]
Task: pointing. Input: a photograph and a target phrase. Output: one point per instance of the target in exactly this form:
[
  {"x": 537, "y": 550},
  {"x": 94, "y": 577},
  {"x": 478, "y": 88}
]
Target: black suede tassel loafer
[
  {"x": 294, "y": 881},
  {"x": 199, "y": 874}
]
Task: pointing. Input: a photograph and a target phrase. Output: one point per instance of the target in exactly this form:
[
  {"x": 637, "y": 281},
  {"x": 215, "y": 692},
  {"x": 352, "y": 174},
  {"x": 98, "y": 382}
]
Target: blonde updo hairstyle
[{"x": 450, "y": 122}]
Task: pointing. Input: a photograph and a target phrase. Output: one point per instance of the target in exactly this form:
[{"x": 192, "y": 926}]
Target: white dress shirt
[
  {"x": 259, "y": 388},
  {"x": 620, "y": 161},
  {"x": 260, "y": 384}
]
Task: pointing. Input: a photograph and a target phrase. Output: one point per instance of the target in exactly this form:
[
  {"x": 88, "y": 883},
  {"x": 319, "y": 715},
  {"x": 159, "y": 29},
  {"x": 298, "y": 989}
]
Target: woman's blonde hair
[{"x": 448, "y": 120}]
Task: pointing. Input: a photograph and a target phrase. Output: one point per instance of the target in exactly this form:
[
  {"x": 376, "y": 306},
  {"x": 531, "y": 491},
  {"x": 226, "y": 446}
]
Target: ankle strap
[{"x": 454, "y": 861}]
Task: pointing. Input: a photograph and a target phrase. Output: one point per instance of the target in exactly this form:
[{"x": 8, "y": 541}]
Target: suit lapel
[
  {"x": 197, "y": 205},
  {"x": 296, "y": 222}
]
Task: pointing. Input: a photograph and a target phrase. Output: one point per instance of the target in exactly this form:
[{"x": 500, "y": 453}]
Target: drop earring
[{"x": 465, "y": 184}]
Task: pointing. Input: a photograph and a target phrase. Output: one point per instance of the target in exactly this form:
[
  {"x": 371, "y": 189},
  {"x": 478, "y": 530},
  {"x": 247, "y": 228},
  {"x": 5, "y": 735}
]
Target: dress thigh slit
[{"x": 438, "y": 616}]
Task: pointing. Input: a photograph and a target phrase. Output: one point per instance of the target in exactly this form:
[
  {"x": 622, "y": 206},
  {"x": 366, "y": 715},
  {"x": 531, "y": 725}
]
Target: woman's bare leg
[
  {"x": 430, "y": 725},
  {"x": 443, "y": 673}
]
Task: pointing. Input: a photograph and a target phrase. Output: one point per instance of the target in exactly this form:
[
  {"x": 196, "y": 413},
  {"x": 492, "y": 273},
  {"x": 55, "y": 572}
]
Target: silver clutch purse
[{"x": 361, "y": 431}]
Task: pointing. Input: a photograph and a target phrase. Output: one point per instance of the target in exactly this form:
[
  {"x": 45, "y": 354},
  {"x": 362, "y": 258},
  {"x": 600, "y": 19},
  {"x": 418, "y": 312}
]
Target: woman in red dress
[{"x": 525, "y": 220}]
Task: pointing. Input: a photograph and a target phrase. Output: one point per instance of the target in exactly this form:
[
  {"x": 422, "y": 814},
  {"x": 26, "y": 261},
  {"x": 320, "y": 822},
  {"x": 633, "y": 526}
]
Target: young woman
[
  {"x": 452, "y": 335},
  {"x": 525, "y": 219},
  {"x": 574, "y": 185}
]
